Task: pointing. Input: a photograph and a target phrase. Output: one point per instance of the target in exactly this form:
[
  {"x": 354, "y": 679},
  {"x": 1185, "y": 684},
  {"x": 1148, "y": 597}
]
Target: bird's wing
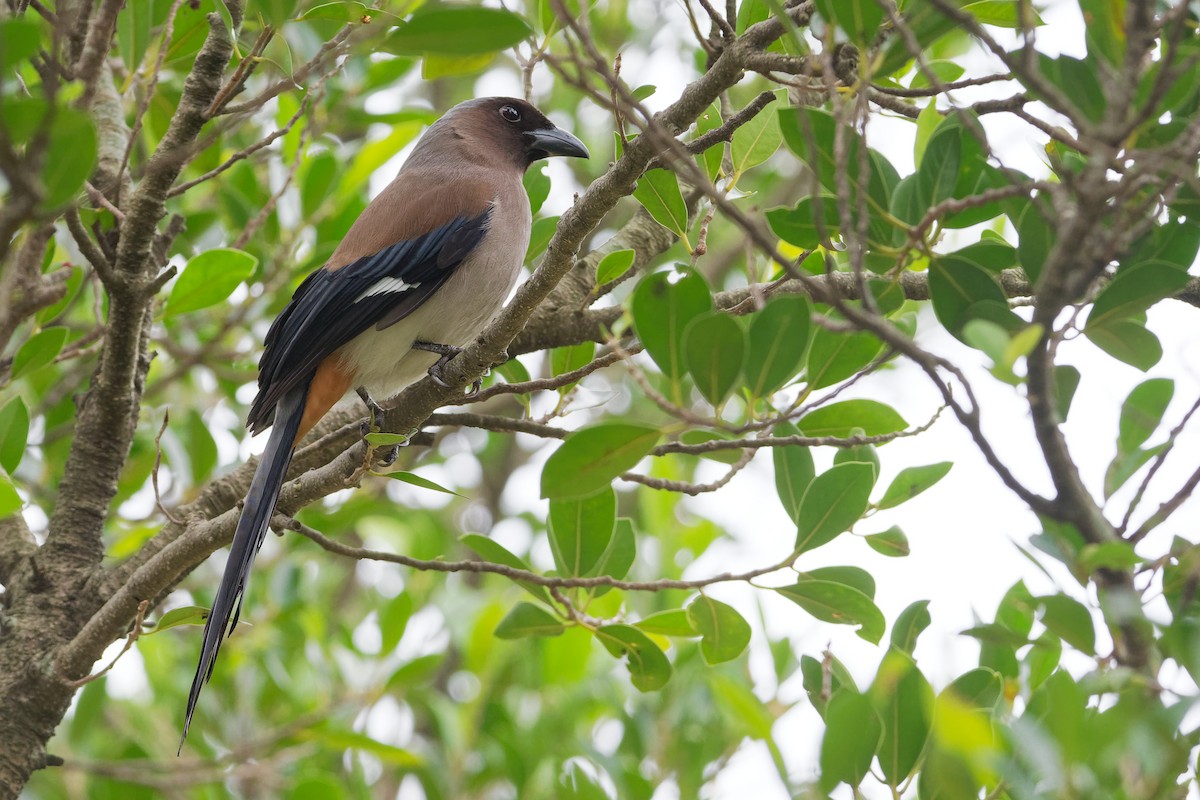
[{"x": 332, "y": 306}]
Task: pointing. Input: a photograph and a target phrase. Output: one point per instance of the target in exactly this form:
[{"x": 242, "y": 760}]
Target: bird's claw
[
  {"x": 374, "y": 410},
  {"x": 436, "y": 374}
]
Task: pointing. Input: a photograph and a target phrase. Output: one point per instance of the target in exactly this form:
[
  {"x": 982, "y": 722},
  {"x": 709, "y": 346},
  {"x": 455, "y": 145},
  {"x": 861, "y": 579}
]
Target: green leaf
[
  {"x": 822, "y": 679},
  {"x": 618, "y": 557},
  {"x": 337, "y": 740},
  {"x": 891, "y": 542},
  {"x": 864, "y": 453},
  {"x": 1134, "y": 290},
  {"x": 860, "y": 19},
  {"x": 938, "y": 174},
  {"x": 912, "y": 621},
  {"x": 673, "y": 622},
  {"x": 527, "y": 619},
  {"x": 927, "y": 23},
  {"x": 986, "y": 337},
  {"x": 833, "y": 502},
  {"x": 1035, "y": 238},
  {"x": 943, "y": 71},
  {"x": 977, "y": 688},
  {"x": 317, "y": 179},
  {"x": 493, "y": 551},
  {"x": 794, "y": 470},
  {"x": 208, "y": 279},
  {"x": 740, "y": 705},
  {"x": 854, "y": 577},
  {"x": 10, "y": 501},
  {"x": 133, "y": 34},
  {"x": 835, "y": 356},
  {"x": 644, "y": 91},
  {"x": 778, "y": 339},
  {"x": 755, "y": 142},
  {"x": 373, "y": 155},
  {"x": 381, "y": 439},
  {"x": 342, "y": 11},
  {"x": 570, "y": 358},
  {"x": 457, "y": 31},
  {"x": 40, "y": 350},
  {"x": 613, "y": 266},
  {"x": 581, "y": 529},
  {"x": 927, "y": 122},
  {"x": 1078, "y": 81},
  {"x": 811, "y": 135},
  {"x": 912, "y": 481},
  {"x": 416, "y": 480},
  {"x": 799, "y": 225},
  {"x": 1070, "y": 620},
  {"x": 1003, "y": 13},
  {"x": 838, "y": 603},
  {"x": 839, "y": 419},
  {"x": 649, "y": 668},
  {"x": 393, "y": 621},
  {"x": 724, "y": 633},
  {"x": 658, "y": 191},
  {"x": 590, "y": 458},
  {"x": 187, "y": 615},
  {"x": 852, "y": 734},
  {"x": 1174, "y": 243},
  {"x": 537, "y": 186},
  {"x": 1108, "y": 555},
  {"x": 539, "y": 237},
  {"x": 714, "y": 347},
  {"x": 1142, "y": 412},
  {"x": 435, "y": 65},
  {"x": 710, "y": 160},
  {"x": 663, "y": 304},
  {"x": 513, "y": 371},
  {"x": 1104, "y": 26},
  {"x": 1066, "y": 381},
  {"x": 1043, "y": 658},
  {"x": 14, "y": 432},
  {"x": 1127, "y": 340},
  {"x": 19, "y": 40},
  {"x": 903, "y": 699},
  {"x": 70, "y": 156},
  {"x": 956, "y": 286}
]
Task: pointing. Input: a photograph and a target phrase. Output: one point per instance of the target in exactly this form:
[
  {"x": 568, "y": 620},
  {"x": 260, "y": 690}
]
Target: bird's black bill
[{"x": 555, "y": 142}]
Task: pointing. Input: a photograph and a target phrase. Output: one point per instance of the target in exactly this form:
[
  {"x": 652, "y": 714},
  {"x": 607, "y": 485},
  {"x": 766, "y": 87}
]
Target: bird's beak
[{"x": 555, "y": 142}]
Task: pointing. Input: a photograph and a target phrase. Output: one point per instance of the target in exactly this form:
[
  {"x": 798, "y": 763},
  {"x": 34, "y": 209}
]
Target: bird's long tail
[{"x": 247, "y": 539}]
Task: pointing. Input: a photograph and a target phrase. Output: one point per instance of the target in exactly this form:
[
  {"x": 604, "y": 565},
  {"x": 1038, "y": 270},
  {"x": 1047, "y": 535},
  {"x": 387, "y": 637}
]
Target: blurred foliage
[{"x": 357, "y": 678}]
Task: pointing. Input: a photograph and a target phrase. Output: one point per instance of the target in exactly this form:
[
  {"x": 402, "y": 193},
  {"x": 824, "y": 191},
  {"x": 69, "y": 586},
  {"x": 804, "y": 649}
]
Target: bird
[{"x": 423, "y": 269}]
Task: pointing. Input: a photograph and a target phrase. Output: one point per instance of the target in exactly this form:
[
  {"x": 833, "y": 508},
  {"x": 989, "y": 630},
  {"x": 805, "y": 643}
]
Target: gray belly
[{"x": 383, "y": 361}]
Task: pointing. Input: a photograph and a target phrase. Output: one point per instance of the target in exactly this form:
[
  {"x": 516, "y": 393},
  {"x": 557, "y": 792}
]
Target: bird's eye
[{"x": 510, "y": 113}]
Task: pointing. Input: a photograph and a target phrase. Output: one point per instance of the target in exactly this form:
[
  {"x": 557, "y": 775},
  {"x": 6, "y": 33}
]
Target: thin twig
[
  {"x": 526, "y": 576},
  {"x": 132, "y": 637},
  {"x": 157, "y": 464}
]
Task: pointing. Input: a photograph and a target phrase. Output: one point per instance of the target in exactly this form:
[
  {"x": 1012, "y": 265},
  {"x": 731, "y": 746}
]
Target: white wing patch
[{"x": 386, "y": 286}]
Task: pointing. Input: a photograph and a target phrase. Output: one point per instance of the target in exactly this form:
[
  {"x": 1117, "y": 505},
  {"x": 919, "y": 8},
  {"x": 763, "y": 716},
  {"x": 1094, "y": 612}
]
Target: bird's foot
[
  {"x": 437, "y": 371},
  {"x": 371, "y": 425},
  {"x": 390, "y": 455},
  {"x": 374, "y": 411}
]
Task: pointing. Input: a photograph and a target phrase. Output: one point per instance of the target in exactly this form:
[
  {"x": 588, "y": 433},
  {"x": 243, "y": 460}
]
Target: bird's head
[{"x": 507, "y": 128}]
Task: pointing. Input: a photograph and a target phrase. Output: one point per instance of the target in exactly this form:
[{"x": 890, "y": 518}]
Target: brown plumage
[{"x": 423, "y": 269}]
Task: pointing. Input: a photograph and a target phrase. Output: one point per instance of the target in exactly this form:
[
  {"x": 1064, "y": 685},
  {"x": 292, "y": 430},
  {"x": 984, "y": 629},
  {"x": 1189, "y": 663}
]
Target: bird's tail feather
[{"x": 247, "y": 539}]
